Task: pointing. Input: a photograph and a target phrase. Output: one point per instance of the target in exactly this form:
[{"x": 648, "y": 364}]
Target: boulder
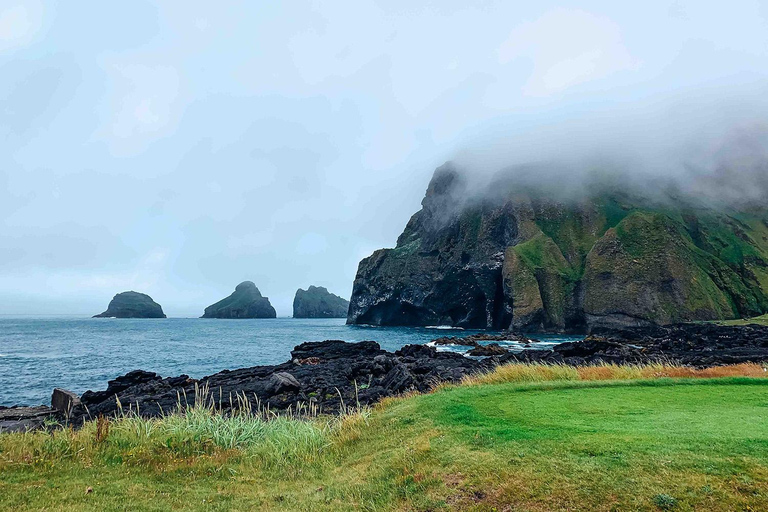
[
  {"x": 398, "y": 379},
  {"x": 492, "y": 349},
  {"x": 64, "y": 401},
  {"x": 281, "y": 382},
  {"x": 245, "y": 302},
  {"x": 132, "y": 305}
]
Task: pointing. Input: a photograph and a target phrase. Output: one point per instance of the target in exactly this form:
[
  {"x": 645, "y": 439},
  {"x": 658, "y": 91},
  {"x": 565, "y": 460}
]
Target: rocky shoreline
[{"x": 331, "y": 374}]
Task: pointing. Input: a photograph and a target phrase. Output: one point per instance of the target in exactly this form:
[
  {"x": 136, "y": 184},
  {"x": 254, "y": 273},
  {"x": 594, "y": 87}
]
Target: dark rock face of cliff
[
  {"x": 132, "y": 305},
  {"x": 516, "y": 257},
  {"x": 318, "y": 302},
  {"x": 245, "y": 302}
]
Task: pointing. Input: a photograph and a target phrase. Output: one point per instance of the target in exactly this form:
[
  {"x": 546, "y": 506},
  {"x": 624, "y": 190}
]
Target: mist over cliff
[
  {"x": 713, "y": 150},
  {"x": 651, "y": 216}
]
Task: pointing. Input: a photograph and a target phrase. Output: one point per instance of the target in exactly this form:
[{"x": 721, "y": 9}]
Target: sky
[{"x": 179, "y": 148}]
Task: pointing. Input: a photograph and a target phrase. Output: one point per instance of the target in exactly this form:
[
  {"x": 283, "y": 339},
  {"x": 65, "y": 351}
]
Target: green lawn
[
  {"x": 760, "y": 320},
  {"x": 634, "y": 445}
]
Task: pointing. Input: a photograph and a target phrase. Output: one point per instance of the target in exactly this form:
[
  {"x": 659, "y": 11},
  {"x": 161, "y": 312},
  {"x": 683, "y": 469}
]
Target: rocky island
[
  {"x": 318, "y": 302},
  {"x": 521, "y": 257},
  {"x": 132, "y": 305},
  {"x": 245, "y": 302}
]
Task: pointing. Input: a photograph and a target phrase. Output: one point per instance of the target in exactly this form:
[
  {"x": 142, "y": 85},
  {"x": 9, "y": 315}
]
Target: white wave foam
[{"x": 444, "y": 327}]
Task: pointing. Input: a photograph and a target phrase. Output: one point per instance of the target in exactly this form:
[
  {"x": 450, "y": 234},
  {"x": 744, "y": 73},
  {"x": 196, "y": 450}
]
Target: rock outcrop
[
  {"x": 245, "y": 302},
  {"x": 519, "y": 257},
  {"x": 318, "y": 302},
  {"x": 326, "y": 374},
  {"x": 700, "y": 345},
  {"x": 64, "y": 406},
  {"x": 132, "y": 305}
]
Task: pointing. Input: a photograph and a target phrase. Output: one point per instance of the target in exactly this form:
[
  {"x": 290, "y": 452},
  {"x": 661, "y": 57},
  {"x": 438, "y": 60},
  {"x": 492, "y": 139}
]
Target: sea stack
[
  {"x": 318, "y": 302},
  {"x": 245, "y": 302},
  {"x": 132, "y": 305}
]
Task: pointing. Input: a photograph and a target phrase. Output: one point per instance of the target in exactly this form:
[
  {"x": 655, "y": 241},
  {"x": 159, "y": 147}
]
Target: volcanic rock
[{"x": 492, "y": 349}]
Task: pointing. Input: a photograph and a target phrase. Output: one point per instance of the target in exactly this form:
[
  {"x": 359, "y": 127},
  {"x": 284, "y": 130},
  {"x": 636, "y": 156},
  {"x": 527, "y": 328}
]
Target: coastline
[{"x": 329, "y": 374}]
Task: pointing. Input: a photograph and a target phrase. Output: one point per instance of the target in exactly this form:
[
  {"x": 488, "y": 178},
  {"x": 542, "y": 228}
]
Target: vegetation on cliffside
[{"x": 523, "y": 258}]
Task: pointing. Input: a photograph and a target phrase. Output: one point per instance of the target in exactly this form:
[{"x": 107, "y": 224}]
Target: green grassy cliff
[{"x": 522, "y": 258}]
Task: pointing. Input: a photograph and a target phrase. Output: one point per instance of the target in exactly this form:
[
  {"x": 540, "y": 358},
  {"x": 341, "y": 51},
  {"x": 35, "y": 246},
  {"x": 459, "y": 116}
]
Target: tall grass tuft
[
  {"x": 541, "y": 372},
  {"x": 297, "y": 437}
]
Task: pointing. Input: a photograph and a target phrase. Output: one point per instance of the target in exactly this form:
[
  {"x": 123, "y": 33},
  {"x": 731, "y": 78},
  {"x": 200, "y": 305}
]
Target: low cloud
[
  {"x": 567, "y": 47},
  {"x": 712, "y": 146},
  {"x": 19, "y": 23}
]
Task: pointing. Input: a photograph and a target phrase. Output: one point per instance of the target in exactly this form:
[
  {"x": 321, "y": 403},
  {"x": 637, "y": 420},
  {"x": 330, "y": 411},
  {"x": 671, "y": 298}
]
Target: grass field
[
  {"x": 759, "y": 320},
  {"x": 524, "y": 438}
]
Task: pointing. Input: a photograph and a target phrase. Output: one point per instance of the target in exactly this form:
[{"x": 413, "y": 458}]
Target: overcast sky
[{"x": 178, "y": 148}]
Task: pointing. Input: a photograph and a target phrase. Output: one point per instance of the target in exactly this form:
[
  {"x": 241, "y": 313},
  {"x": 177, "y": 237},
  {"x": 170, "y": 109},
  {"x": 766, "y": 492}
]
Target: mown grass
[
  {"x": 525, "y": 437},
  {"x": 759, "y": 320}
]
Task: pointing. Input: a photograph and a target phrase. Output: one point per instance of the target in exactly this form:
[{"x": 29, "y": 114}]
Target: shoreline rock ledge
[
  {"x": 245, "y": 302},
  {"x": 318, "y": 302},
  {"x": 132, "y": 305}
]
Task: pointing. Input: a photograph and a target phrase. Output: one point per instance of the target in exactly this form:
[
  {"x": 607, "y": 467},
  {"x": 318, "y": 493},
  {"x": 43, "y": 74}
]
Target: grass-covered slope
[
  {"x": 527, "y": 259},
  {"x": 522, "y": 438}
]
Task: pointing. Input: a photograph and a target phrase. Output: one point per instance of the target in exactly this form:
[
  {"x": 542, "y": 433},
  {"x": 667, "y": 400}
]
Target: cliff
[
  {"x": 132, "y": 305},
  {"x": 245, "y": 302},
  {"x": 318, "y": 302},
  {"x": 524, "y": 258}
]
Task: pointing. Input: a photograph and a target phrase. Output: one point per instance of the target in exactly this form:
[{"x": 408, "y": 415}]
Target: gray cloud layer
[{"x": 180, "y": 149}]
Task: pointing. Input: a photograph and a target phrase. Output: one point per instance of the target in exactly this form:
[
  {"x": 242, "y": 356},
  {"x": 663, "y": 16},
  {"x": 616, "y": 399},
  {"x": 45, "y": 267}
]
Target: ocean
[{"x": 38, "y": 354}]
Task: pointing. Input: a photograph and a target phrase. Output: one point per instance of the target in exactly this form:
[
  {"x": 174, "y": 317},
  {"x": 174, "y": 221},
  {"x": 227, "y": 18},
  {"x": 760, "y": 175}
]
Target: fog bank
[{"x": 713, "y": 147}]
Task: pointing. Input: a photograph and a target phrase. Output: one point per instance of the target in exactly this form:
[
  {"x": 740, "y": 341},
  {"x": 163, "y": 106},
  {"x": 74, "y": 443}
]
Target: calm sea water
[{"x": 38, "y": 354}]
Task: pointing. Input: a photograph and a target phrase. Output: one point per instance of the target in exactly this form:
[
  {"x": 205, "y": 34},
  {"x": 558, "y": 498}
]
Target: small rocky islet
[
  {"x": 132, "y": 305},
  {"x": 245, "y": 302},
  {"x": 318, "y": 302}
]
